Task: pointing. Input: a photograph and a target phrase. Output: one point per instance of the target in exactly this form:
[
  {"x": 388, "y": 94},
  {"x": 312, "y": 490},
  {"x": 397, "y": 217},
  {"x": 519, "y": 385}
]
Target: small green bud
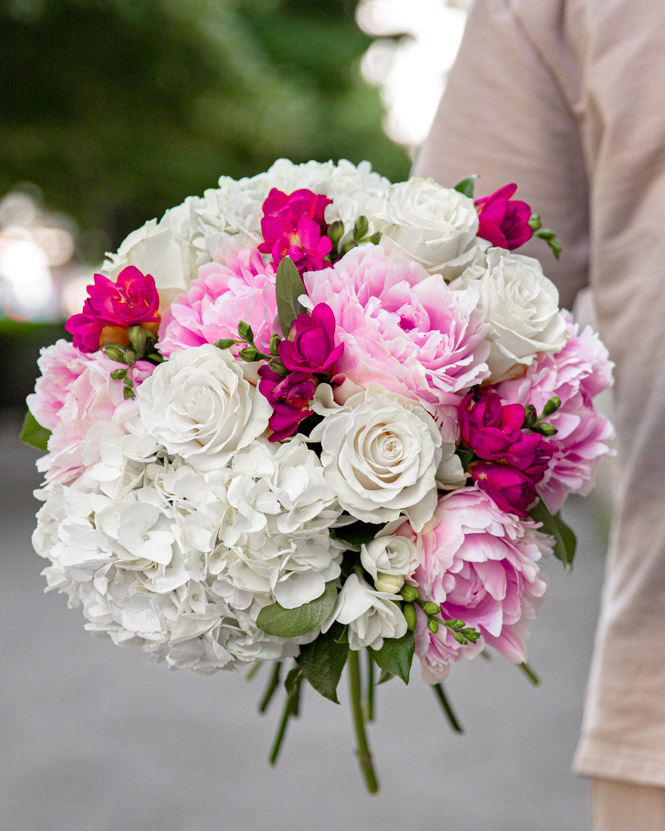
[
  {"x": 249, "y": 354},
  {"x": 530, "y": 415},
  {"x": 336, "y": 232},
  {"x": 245, "y": 331},
  {"x": 361, "y": 227},
  {"x": 118, "y": 374},
  {"x": 347, "y": 246},
  {"x": 390, "y": 583},
  {"x": 130, "y": 358},
  {"x": 137, "y": 338},
  {"x": 430, "y": 608},
  {"x": 275, "y": 341},
  {"x": 433, "y": 626},
  {"x": 224, "y": 343},
  {"x": 552, "y": 405},
  {"x": 277, "y": 366},
  {"x": 410, "y": 615},
  {"x": 375, "y": 239},
  {"x": 547, "y": 429},
  {"x": 115, "y": 353},
  {"x": 535, "y": 223},
  {"x": 128, "y": 389},
  {"x": 409, "y": 593}
]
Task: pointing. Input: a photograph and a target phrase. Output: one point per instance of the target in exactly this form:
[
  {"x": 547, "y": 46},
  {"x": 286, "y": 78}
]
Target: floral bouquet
[{"x": 310, "y": 415}]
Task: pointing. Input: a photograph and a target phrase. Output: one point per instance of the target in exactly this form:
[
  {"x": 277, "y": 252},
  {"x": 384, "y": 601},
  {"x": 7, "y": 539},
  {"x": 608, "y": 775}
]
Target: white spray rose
[
  {"x": 199, "y": 406},
  {"x": 388, "y": 558},
  {"x": 521, "y": 306},
  {"x": 381, "y": 454},
  {"x": 433, "y": 225},
  {"x": 370, "y": 615}
]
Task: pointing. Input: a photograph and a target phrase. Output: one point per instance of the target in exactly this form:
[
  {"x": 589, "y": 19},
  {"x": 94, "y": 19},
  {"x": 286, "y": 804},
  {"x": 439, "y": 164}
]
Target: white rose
[
  {"x": 433, "y": 225},
  {"x": 199, "y": 406},
  {"x": 388, "y": 559},
  {"x": 381, "y": 455},
  {"x": 161, "y": 249},
  {"x": 521, "y": 306},
  {"x": 370, "y": 615}
]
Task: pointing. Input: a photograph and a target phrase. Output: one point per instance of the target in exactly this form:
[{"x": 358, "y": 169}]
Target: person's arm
[{"x": 504, "y": 116}]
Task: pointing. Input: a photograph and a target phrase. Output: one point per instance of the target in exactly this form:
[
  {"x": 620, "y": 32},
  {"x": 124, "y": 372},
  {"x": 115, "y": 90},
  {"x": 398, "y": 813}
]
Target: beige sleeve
[{"x": 504, "y": 116}]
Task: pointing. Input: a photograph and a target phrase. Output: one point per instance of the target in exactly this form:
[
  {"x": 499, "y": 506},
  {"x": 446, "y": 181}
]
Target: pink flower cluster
[{"x": 504, "y": 221}]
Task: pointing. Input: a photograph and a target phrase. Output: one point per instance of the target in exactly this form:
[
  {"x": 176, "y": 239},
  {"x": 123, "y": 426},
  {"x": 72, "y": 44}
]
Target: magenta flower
[
  {"x": 113, "y": 307},
  {"x": 294, "y": 226},
  {"x": 313, "y": 347},
  {"x": 480, "y": 565},
  {"x": 513, "y": 490},
  {"x": 504, "y": 221},
  {"x": 289, "y": 397}
]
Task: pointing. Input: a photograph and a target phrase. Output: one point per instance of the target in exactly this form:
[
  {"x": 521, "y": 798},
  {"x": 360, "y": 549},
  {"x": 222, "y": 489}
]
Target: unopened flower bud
[
  {"x": 430, "y": 608},
  {"x": 391, "y": 583},
  {"x": 275, "y": 341},
  {"x": 552, "y": 405},
  {"x": 137, "y": 338},
  {"x": 115, "y": 353},
  {"x": 409, "y": 593},
  {"x": 410, "y": 616},
  {"x": 547, "y": 429},
  {"x": 433, "y": 626}
]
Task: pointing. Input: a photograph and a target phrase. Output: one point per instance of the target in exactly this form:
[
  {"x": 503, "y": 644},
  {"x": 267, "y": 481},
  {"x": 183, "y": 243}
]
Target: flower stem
[
  {"x": 281, "y": 731},
  {"x": 369, "y": 695},
  {"x": 447, "y": 709},
  {"x": 273, "y": 683},
  {"x": 363, "y": 752},
  {"x": 530, "y": 674}
]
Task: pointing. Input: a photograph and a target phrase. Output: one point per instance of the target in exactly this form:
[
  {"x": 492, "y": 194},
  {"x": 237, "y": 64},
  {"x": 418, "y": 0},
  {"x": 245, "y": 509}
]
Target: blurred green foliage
[{"x": 119, "y": 109}]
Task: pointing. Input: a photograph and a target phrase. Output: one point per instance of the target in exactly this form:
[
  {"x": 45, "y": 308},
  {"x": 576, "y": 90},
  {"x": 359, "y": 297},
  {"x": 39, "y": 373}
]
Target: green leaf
[
  {"x": 323, "y": 660},
  {"x": 396, "y": 656},
  {"x": 288, "y": 288},
  {"x": 356, "y": 533},
  {"x": 467, "y": 185},
  {"x": 33, "y": 433},
  {"x": 565, "y": 542},
  {"x": 291, "y": 623}
]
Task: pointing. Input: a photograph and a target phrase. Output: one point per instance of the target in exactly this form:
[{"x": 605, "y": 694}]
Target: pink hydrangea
[
  {"x": 404, "y": 329},
  {"x": 60, "y": 365},
  {"x": 223, "y": 294},
  {"x": 481, "y": 565},
  {"x": 576, "y": 374},
  {"x": 90, "y": 403}
]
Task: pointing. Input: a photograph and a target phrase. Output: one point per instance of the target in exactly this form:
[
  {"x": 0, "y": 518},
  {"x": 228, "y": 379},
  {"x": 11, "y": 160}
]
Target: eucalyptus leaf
[
  {"x": 323, "y": 660},
  {"x": 33, "y": 433},
  {"x": 466, "y": 186},
  {"x": 565, "y": 542},
  {"x": 288, "y": 288},
  {"x": 396, "y": 656},
  {"x": 291, "y": 623}
]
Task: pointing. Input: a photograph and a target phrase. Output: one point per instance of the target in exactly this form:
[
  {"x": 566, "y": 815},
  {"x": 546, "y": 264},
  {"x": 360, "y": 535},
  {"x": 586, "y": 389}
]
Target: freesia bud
[{"x": 391, "y": 583}]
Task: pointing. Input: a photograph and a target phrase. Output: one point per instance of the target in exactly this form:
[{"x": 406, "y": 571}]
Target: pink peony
[
  {"x": 89, "y": 407},
  {"x": 289, "y": 397},
  {"x": 221, "y": 296},
  {"x": 504, "y": 221},
  {"x": 313, "y": 346},
  {"x": 576, "y": 374},
  {"x": 404, "y": 329},
  {"x": 112, "y": 307},
  {"x": 481, "y": 565},
  {"x": 294, "y": 226},
  {"x": 60, "y": 365}
]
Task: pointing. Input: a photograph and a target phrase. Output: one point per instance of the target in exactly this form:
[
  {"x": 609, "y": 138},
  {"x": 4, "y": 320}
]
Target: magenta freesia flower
[
  {"x": 504, "y": 221},
  {"x": 480, "y": 565},
  {"x": 223, "y": 294},
  {"x": 131, "y": 300},
  {"x": 313, "y": 347},
  {"x": 575, "y": 375},
  {"x": 289, "y": 397},
  {"x": 404, "y": 329},
  {"x": 513, "y": 490},
  {"x": 294, "y": 226}
]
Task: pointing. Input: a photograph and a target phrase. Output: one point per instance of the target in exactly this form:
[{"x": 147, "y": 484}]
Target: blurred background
[{"x": 112, "y": 111}]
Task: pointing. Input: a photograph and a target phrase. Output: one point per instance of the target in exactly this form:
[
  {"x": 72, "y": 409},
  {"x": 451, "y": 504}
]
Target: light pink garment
[{"x": 567, "y": 98}]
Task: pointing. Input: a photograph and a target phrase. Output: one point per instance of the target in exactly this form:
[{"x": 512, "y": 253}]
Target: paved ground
[{"x": 95, "y": 739}]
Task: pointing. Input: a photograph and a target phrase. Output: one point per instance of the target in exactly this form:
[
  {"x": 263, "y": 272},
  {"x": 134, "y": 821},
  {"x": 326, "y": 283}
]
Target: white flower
[
  {"x": 388, "y": 558},
  {"x": 521, "y": 307},
  {"x": 162, "y": 249},
  {"x": 199, "y": 405},
  {"x": 370, "y": 615},
  {"x": 433, "y": 225},
  {"x": 380, "y": 455}
]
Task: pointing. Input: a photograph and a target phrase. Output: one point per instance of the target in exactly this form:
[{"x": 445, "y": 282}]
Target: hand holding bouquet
[{"x": 310, "y": 415}]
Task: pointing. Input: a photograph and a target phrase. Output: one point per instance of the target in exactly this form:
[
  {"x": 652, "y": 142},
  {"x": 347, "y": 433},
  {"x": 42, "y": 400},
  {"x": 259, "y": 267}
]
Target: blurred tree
[{"x": 118, "y": 109}]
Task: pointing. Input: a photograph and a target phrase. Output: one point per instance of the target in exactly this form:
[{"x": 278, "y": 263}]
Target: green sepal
[
  {"x": 291, "y": 623},
  {"x": 323, "y": 661},
  {"x": 466, "y": 186},
  {"x": 396, "y": 656},
  {"x": 33, "y": 433},
  {"x": 565, "y": 541},
  {"x": 288, "y": 288}
]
